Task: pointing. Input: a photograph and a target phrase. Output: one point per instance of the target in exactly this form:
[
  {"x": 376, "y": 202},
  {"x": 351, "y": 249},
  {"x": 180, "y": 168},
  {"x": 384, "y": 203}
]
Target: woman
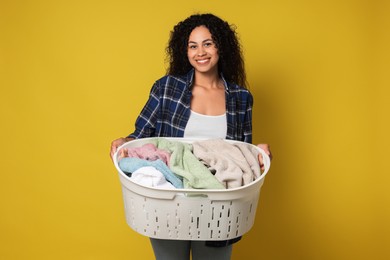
[{"x": 202, "y": 95}]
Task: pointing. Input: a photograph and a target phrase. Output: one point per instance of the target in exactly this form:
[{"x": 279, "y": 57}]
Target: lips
[{"x": 203, "y": 61}]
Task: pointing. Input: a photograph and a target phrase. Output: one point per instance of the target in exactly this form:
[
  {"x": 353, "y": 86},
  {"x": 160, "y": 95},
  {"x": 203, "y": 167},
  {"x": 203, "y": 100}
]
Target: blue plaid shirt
[{"x": 167, "y": 110}]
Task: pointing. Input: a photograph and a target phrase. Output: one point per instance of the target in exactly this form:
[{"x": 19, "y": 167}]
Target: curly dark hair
[{"x": 231, "y": 62}]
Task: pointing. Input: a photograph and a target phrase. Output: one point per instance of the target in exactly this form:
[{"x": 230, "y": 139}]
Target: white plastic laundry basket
[{"x": 189, "y": 214}]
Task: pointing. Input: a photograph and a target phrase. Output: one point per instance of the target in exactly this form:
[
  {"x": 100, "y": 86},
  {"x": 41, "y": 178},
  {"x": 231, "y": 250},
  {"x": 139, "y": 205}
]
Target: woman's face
[{"x": 201, "y": 50}]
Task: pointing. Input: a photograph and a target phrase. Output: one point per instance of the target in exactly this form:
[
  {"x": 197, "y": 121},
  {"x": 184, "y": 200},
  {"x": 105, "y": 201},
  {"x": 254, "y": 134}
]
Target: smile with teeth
[{"x": 202, "y": 61}]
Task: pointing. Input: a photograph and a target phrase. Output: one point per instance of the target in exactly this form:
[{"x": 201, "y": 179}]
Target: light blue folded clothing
[{"x": 131, "y": 164}]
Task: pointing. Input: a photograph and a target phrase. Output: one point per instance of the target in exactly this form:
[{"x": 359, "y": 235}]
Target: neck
[{"x": 210, "y": 79}]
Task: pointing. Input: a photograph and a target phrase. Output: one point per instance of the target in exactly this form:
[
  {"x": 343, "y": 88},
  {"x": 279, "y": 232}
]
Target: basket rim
[{"x": 267, "y": 164}]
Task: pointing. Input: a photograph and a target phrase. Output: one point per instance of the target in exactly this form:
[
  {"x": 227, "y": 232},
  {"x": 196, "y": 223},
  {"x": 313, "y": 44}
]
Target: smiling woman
[{"x": 202, "y": 95}]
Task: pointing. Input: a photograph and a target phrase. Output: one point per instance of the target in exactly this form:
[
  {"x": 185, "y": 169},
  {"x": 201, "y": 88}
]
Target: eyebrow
[{"x": 202, "y": 41}]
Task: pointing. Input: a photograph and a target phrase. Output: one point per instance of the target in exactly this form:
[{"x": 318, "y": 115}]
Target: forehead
[{"x": 199, "y": 34}]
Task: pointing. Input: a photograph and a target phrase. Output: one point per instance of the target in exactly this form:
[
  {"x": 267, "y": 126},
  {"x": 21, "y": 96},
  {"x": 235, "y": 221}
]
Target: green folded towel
[{"x": 184, "y": 163}]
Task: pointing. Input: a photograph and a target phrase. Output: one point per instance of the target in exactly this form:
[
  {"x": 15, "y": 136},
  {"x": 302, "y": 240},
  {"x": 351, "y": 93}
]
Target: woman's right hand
[
  {"x": 267, "y": 150},
  {"x": 118, "y": 142}
]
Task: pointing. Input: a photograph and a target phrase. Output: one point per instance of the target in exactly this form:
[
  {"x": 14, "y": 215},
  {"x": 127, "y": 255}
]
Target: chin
[{"x": 204, "y": 69}]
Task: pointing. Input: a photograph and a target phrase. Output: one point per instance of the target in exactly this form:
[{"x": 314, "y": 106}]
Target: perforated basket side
[{"x": 190, "y": 218}]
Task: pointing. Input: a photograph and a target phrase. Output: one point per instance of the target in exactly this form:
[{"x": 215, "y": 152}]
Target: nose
[{"x": 201, "y": 51}]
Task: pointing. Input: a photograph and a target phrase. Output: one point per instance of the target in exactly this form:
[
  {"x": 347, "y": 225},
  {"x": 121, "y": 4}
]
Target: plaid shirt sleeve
[
  {"x": 248, "y": 119},
  {"x": 167, "y": 110},
  {"x": 239, "y": 114}
]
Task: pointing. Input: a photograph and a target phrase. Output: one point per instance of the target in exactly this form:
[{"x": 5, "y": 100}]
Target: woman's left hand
[{"x": 267, "y": 150}]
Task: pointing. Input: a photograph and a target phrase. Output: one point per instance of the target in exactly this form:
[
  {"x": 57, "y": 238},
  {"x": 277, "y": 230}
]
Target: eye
[
  {"x": 208, "y": 44},
  {"x": 193, "y": 47}
]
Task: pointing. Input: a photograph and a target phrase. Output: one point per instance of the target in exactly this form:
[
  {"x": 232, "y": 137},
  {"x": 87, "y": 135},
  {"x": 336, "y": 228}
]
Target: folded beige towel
[{"x": 234, "y": 164}]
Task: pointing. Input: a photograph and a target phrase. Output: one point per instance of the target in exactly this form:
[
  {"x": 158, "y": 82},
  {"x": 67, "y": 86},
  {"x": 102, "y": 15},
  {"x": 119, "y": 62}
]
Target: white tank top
[{"x": 204, "y": 126}]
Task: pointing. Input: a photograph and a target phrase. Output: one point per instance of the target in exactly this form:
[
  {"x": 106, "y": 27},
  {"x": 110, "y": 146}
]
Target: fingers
[
  {"x": 116, "y": 143},
  {"x": 266, "y": 149},
  {"x": 261, "y": 161},
  {"x": 113, "y": 149}
]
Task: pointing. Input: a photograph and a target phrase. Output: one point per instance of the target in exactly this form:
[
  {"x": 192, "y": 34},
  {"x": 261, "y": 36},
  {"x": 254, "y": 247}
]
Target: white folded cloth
[{"x": 150, "y": 177}]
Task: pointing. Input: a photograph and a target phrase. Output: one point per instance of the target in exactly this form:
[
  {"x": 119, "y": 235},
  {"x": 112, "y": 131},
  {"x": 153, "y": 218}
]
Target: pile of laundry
[{"x": 204, "y": 164}]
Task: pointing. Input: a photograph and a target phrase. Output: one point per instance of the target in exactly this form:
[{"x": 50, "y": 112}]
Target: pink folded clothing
[{"x": 147, "y": 152}]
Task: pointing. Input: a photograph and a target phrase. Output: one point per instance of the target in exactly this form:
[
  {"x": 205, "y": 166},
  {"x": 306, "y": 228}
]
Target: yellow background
[{"x": 75, "y": 74}]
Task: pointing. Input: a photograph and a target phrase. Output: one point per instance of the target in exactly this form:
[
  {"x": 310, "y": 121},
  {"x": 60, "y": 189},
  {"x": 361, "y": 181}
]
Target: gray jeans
[{"x": 180, "y": 250}]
